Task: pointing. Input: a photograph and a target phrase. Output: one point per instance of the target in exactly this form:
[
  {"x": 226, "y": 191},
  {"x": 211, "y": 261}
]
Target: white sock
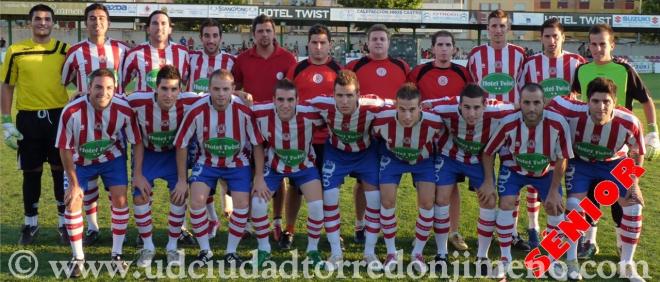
[
  {"x": 422, "y": 230},
  {"x": 237, "y": 222},
  {"x": 210, "y": 208},
  {"x": 441, "y": 228},
  {"x": 90, "y": 204},
  {"x": 504, "y": 226},
  {"x": 631, "y": 227},
  {"x": 74, "y": 226},
  {"x": 533, "y": 208},
  {"x": 120, "y": 218},
  {"x": 174, "y": 223},
  {"x": 261, "y": 223},
  {"x": 485, "y": 228},
  {"x": 332, "y": 219},
  {"x": 515, "y": 217},
  {"x": 388, "y": 223},
  {"x": 144, "y": 224},
  {"x": 372, "y": 221},
  {"x": 200, "y": 227},
  {"x": 314, "y": 224},
  {"x": 573, "y": 204}
]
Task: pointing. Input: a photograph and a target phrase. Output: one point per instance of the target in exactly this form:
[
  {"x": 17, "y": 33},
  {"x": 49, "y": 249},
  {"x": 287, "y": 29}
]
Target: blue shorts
[
  {"x": 159, "y": 165},
  {"x": 391, "y": 169},
  {"x": 581, "y": 175},
  {"x": 113, "y": 173},
  {"x": 450, "y": 171},
  {"x": 299, "y": 178},
  {"x": 238, "y": 179},
  {"x": 510, "y": 182},
  {"x": 338, "y": 164}
]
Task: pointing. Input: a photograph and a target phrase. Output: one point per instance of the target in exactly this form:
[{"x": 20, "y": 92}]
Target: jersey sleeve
[
  {"x": 565, "y": 148},
  {"x": 132, "y": 132},
  {"x": 252, "y": 129},
  {"x": 186, "y": 70},
  {"x": 9, "y": 72},
  {"x": 237, "y": 73},
  {"x": 69, "y": 68},
  {"x": 128, "y": 68},
  {"x": 64, "y": 139},
  {"x": 636, "y": 139},
  {"x": 636, "y": 87},
  {"x": 186, "y": 130},
  {"x": 576, "y": 86},
  {"x": 498, "y": 139}
]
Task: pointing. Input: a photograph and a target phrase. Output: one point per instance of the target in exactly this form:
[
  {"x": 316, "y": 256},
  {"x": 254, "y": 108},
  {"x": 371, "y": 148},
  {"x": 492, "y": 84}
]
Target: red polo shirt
[
  {"x": 434, "y": 82},
  {"x": 257, "y": 75},
  {"x": 380, "y": 77}
]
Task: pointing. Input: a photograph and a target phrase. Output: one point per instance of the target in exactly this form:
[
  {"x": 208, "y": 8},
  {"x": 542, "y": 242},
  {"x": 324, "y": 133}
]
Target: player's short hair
[
  {"x": 347, "y": 77},
  {"x": 601, "y": 84},
  {"x": 472, "y": 90},
  {"x": 442, "y": 33},
  {"x": 209, "y": 23},
  {"x": 286, "y": 85},
  {"x": 552, "y": 23},
  {"x": 408, "y": 91},
  {"x": 158, "y": 12},
  {"x": 600, "y": 28},
  {"x": 222, "y": 74},
  {"x": 498, "y": 14},
  {"x": 532, "y": 87},
  {"x": 96, "y": 6},
  {"x": 261, "y": 19},
  {"x": 41, "y": 8},
  {"x": 102, "y": 72},
  {"x": 318, "y": 29},
  {"x": 168, "y": 72},
  {"x": 378, "y": 27}
]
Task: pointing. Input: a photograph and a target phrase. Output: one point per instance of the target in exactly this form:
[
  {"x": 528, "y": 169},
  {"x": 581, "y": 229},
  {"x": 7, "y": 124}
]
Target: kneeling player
[
  {"x": 470, "y": 120},
  {"x": 226, "y": 133},
  {"x": 287, "y": 129},
  {"x": 349, "y": 151},
  {"x": 158, "y": 115},
  {"x": 600, "y": 134},
  {"x": 535, "y": 147},
  {"x": 407, "y": 142},
  {"x": 89, "y": 137}
]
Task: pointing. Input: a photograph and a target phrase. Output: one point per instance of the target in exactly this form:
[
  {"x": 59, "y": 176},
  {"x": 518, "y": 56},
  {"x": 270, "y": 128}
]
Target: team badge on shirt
[
  {"x": 381, "y": 72},
  {"x": 317, "y": 78},
  {"x": 279, "y": 75},
  {"x": 443, "y": 80}
]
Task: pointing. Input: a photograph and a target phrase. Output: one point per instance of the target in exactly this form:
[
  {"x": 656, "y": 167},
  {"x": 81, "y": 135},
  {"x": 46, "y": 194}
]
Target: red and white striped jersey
[
  {"x": 409, "y": 144},
  {"x": 226, "y": 137},
  {"x": 496, "y": 71},
  {"x": 349, "y": 133},
  {"x": 144, "y": 61},
  {"x": 157, "y": 126},
  {"x": 289, "y": 146},
  {"x": 85, "y": 57},
  {"x": 464, "y": 142},
  {"x": 594, "y": 142},
  {"x": 554, "y": 74},
  {"x": 531, "y": 151},
  {"x": 202, "y": 66},
  {"x": 96, "y": 136}
]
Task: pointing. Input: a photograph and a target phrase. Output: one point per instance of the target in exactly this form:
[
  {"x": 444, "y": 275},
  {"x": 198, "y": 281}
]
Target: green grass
[{"x": 47, "y": 248}]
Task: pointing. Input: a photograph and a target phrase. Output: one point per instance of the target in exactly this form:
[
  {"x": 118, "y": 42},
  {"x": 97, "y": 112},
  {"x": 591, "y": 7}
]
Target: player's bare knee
[
  {"x": 507, "y": 203},
  {"x": 388, "y": 203},
  {"x": 139, "y": 200}
]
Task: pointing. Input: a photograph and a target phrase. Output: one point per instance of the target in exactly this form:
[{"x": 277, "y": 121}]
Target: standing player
[
  {"x": 471, "y": 120},
  {"x": 443, "y": 78},
  {"x": 381, "y": 75},
  {"x": 227, "y": 132},
  {"x": 31, "y": 72},
  {"x": 98, "y": 51},
  {"x": 202, "y": 65},
  {"x": 554, "y": 70},
  {"x": 601, "y": 132},
  {"x": 406, "y": 135},
  {"x": 258, "y": 69},
  {"x": 536, "y": 146},
  {"x": 495, "y": 67},
  {"x": 287, "y": 130},
  {"x": 312, "y": 77},
  {"x": 630, "y": 88},
  {"x": 90, "y": 142},
  {"x": 349, "y": 150},
  {"x": 158, "y": 115},
  {"x": 143, "y": 62}
]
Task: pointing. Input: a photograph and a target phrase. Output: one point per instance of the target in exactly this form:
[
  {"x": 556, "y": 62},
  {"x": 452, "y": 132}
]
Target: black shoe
[
  {"x": 286, "y": 241},
  {"x": 28, "y": 233},
  {"x": 233, "y": 260},
  {"x": 64, "y": 235},
  {"x": 520, "y": 244},
  {"x": 138, "y": 242},
  {"x": 359, "y": 236},
  {"x": 186, "y": 238},
  {"x": 75, "y": 267},
  {"x": 118, "y": 262},
  {"x": 440, "y": 262},
  {"x": 202, "y": 259},
  {"x": 92, "y": 236}
]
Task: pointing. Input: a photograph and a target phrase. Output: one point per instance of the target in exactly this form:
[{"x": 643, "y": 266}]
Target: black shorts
[{"x": 39, "y": 129}]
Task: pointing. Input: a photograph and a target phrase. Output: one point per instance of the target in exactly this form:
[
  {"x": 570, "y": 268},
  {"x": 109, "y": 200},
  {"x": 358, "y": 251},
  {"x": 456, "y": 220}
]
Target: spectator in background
[
  {"x": 2, "y": 43},
  {"x": 191, "y": 43},
  {"x": 182, "y": 41}
]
